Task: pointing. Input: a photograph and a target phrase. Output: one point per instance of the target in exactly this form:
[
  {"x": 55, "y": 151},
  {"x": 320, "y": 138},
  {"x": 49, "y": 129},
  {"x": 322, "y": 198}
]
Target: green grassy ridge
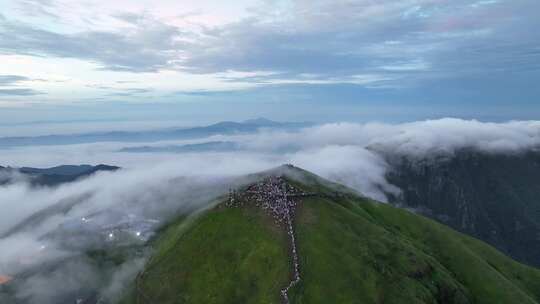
[{"x": 351, "y": 250}]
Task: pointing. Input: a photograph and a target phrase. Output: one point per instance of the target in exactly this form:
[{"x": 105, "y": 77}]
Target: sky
[{"x": 319, "y": 60}]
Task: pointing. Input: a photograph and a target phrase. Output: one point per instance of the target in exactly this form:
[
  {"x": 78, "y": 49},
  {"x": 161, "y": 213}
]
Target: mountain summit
[{"x": 290, "y": 236}]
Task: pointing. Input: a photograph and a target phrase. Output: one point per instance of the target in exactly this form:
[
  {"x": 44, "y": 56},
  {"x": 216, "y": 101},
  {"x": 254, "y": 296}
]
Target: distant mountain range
[
  {"x": 221, "y": 128},
  {"x": 211, "y": 146},
  {"x": 494, "y": 197},
  {"x": 52, "y": 176}
]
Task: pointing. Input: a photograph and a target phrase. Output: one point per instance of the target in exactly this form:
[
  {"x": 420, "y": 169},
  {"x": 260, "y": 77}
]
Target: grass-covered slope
[
  {"x": 351, "y": 250},
  {"x": 360, "y": 252},
  {"x": 225, "y": 256}
]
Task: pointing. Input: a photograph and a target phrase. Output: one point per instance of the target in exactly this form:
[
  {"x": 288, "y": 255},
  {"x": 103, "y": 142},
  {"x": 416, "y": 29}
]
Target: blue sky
[{"x": 199, "y": 61}]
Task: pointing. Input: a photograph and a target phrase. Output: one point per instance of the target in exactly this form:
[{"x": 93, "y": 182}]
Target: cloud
[
  {"x": 129, "y": 92},
  {"x": 339, "y": 39},
  {"x": 161, "y": 186},
  {"x": 122, "y": 279},
  {"x": 344, "y": 164},
  {"x": 395, "y": 60},
  {"x": 144, "y": 46},
  {"x": 38, "y": 8},
  {"x": 61, "y": 283},
  {"x": 47, "y": 232},
  {"x": 312, "y": 147},
  {"x": 6, "y": 80},
  {"x": 416, "y": 139},
  {"x": 19, "y": 92},
  {"x": 14, "y": 80},
  {"x": 335, "y": 40}
]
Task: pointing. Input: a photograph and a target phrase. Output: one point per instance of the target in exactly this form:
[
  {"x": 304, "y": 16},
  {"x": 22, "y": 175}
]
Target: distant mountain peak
[
  {"x": 59, "y": 174},
  {"x": 260, "y": 121},
  {"x": 60, "y": 170}
]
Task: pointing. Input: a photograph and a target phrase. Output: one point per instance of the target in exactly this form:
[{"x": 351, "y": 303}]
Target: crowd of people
[{"x": 279, "y": 199}]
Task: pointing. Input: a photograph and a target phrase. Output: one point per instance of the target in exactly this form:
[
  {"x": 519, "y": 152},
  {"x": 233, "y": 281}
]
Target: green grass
[
  {"x": 355, "y": 251},
  {"x": 225, "y": 256},
  {"x": 351, "y": 251}
]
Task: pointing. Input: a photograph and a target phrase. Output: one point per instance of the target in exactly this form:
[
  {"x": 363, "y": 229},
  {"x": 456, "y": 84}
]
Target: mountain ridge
[
  {"x": 225, "y": 127},
  {"x": 236, "y": 253},
  {"x": 54, "y": 176}
]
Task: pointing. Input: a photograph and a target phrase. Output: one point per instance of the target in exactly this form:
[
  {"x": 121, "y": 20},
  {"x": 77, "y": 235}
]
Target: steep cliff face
[{"x": 492, "y": 197}]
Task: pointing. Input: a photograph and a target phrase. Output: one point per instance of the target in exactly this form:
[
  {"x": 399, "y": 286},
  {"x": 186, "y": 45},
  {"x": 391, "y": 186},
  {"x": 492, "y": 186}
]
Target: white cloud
[
  {"x": 411, "y": 139},
  {"x": 159, "y": 185},
  {"x": 353, "y": 166},
  {"x": 189, "y": 46}
]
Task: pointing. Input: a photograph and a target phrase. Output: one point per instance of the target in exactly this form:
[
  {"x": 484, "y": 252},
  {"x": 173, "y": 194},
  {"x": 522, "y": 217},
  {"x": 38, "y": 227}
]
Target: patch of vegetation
[
  {"x": 225, "y": 256},
  {"x": 356, "y": 251}
]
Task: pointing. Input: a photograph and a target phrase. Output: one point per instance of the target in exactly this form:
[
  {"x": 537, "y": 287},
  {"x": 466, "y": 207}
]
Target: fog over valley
[
  {"x": 125, "y": 207},
  {"x": 269, "y": 151}
]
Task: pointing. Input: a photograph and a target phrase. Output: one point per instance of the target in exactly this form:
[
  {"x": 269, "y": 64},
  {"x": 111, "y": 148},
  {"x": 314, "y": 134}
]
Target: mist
[
  {"x": 153, "y": 188},
  {"x": 46, "y": 233}
]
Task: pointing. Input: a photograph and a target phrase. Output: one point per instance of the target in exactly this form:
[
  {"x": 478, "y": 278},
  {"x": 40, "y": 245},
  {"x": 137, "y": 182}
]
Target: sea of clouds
[{"x": 158, "y": 185}]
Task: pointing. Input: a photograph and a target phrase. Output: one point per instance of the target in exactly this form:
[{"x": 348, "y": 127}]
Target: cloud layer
[
  {"x": 417, "y": 138},
  {"x": 437, "y": 51},
  {"x": 46, "y": 232},
  {"x": 157, "y": 186},
  {"x": 305, "y": 39}
]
